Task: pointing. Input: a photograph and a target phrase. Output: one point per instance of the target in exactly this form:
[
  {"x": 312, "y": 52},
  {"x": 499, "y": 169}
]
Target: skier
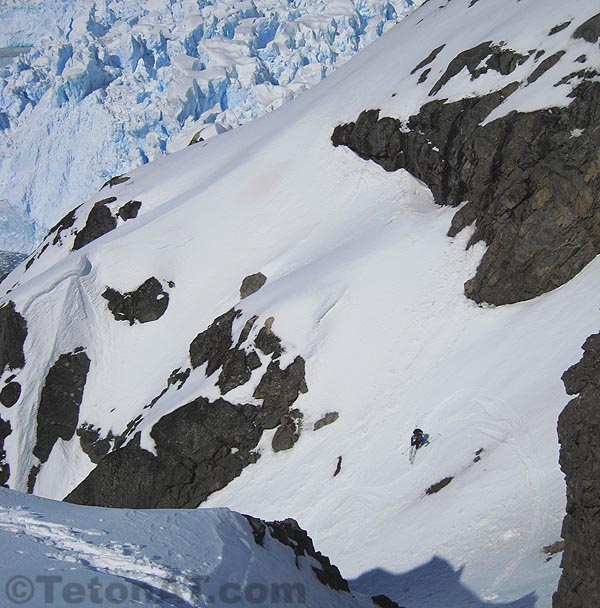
[{"x": 416, "y": 441}]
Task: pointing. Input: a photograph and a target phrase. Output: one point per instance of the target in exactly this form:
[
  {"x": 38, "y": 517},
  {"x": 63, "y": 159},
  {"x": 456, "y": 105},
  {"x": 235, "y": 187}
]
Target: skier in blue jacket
[{"x": 417, "y": 439}]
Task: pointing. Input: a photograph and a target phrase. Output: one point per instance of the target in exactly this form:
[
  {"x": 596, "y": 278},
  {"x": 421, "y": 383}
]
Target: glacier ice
[{"x": 98, "y": 87}]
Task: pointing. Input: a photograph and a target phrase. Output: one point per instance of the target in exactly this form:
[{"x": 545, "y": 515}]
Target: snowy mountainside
[
  {"x": 54, "y": 551},
  {"x": 137, "y": 373},
  {"x": 109, "y": 85}
]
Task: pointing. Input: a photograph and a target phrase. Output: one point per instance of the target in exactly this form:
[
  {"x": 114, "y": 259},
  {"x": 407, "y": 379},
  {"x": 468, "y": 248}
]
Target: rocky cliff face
[
  {"x": 579, "y": 432},
  {"x": 200, "y": 446},
  {"x": 203, "y": 445},
  {"x": 289, "y": 533},
  {"x": 530, "y": 182}
]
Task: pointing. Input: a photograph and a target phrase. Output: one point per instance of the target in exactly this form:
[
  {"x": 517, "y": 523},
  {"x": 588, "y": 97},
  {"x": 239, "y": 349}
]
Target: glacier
[{"x": 90, "y": 90}]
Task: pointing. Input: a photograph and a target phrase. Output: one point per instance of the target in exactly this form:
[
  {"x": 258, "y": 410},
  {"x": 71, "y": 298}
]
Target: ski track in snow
[
  {"x": 71, "y": 544},
  {"x": 507, "y": 431},
  {"x": 536, "y": 476}
]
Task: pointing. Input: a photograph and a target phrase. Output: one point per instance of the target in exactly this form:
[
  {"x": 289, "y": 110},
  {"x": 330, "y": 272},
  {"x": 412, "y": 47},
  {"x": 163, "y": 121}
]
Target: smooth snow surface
[
  {"x": 61, "y": 555},
  {"x": 110, "y": 84},
  {"x": 363, "y": 283}
]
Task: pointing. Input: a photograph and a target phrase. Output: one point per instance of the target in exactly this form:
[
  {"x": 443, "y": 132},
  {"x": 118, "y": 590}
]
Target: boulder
[
  {"x": 251, "y": 284},
  {"x": 328, "y": 418}
]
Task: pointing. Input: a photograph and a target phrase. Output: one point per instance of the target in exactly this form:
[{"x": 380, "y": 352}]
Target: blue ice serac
[{"x": 66, "y": 65}]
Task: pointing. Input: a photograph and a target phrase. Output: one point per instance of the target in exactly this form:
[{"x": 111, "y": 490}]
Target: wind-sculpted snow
[
  {"x": 161, "y": 558},
  {"x": 112, "y": 84}
]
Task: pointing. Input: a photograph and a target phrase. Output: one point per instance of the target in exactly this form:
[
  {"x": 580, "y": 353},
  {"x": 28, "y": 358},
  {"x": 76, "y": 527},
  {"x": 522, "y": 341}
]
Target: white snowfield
[
  {"x": 55, "y": 554},
  {"x": 364, "y": 283},
  {"x": 111, "y": 84}
]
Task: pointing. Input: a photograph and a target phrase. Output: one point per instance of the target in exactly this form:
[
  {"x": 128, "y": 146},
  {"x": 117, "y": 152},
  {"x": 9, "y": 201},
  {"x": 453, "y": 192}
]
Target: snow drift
[{"x": 57, "y": 553}]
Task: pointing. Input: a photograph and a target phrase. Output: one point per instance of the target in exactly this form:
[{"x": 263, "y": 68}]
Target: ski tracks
[
  {"x": 539, "y": 511},
  {"x": 92, "y": 550},
  {"x": 507, "y": 429},
  {"x": 482, "y": 414}
]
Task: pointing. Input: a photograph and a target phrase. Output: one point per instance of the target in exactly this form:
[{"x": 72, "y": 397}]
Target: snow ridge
[{"x": 150, "y": 558}]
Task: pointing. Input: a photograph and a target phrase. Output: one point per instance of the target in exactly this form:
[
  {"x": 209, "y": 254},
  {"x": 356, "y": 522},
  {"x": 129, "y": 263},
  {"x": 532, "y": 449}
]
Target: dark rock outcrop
[
  {"x": 58, "y": 412},
  {"x": 100, "y": 221},
  {"x": 548, "y": 63},
  {"x": 279, "y": 388},
  {"x": 589, "y": 30},
  {"x": 424, "y": 75},
  {"x": 13, "y": 332},
  {"x": 470, "y": 59},
  {"x": 502, "y": 60},
  {"x": 259, "y": 529},
  {"x": 338, "y": 467},
  {"x": 251, "y": 284},
  {"x": 129, "y": 210},
  {"x": 64, "y": 224},
  {"x": 93, "y": 444},
  {"x": 579, "y": 433},
  {"x": 10, "y": 394},
  {"x": 147, "y": 303},
  {"x": 289, "y": 533},
  {"x": 436, "y": 487},
  {"x": 267, "y": 341},
  {"x": 212, "y": 345},
  {"x": 200, "y": 448},
  {"x": 115, "y": 181},
  {"x": 196, "y": 139},
  {"x": 533, "y": 188},
  {"x": 383, "y": 601},
  {"x": 559, "y": 28},
  {"x": 177, "y": 378},
  {"x": 431, "y": 57},
  {"x": 288, "y": 432},
  {"x": 237, "y": 369},
  {"x": 5, "y": 431},
  {"x": 553, "y": 549},
  {"x": 328, "y": 418}
]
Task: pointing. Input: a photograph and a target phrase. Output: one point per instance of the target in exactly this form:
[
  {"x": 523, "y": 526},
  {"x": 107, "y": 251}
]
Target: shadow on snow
[{"x": 432, "y": 585}]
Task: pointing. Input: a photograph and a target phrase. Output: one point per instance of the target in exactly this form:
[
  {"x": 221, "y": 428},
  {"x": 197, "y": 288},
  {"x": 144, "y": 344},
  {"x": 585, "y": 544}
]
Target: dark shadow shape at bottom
[{"x": 433, "y": 584}]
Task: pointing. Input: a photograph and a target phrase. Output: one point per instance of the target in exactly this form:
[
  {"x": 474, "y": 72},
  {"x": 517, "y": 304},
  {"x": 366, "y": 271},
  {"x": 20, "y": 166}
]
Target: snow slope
[
  {"x": 364, "y": 283},
  {"x": 59, "y": 554},
  {"x": 111, "y": 84}
]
